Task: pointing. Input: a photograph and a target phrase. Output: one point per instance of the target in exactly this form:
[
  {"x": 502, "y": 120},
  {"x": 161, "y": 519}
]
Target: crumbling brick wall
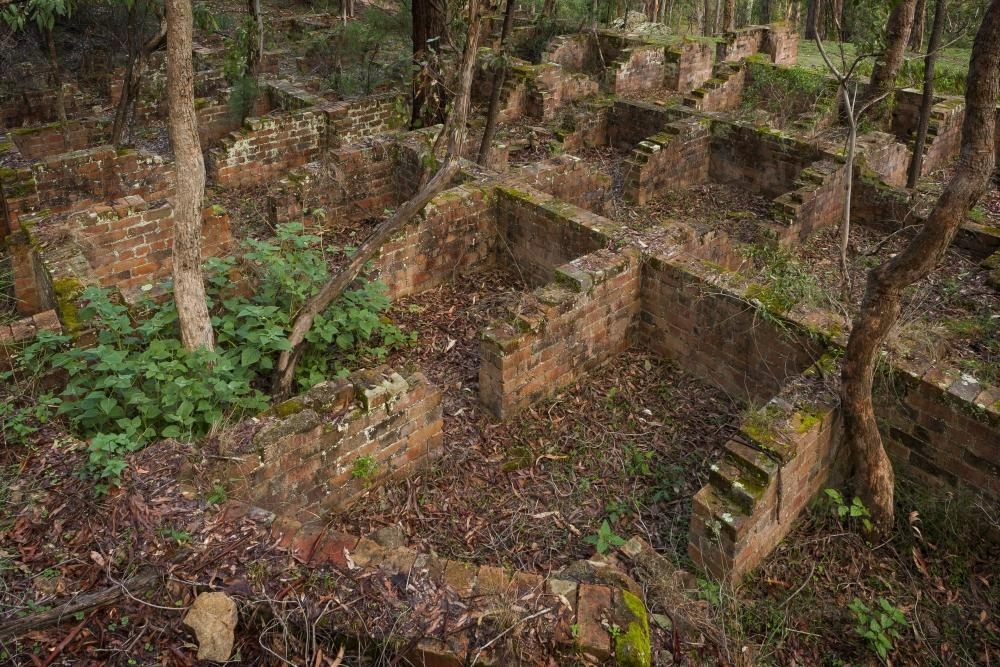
[
  {"x": 44, "y": 141},
  {"x": 739, "y": 151},
  {"x": 676, "y": 157},
  {"x": 337, "y": 440},
  {"x": 267, "y": 147},
  {"x": 561, "y": 331},
  {"x": 569, "y": 179},
  {"x": 687, "y": 65}
]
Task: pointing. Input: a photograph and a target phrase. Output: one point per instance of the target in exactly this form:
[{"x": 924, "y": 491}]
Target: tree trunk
[
  {"x": 189, "y": 288},
  {"x": 897, "y": 31},
  {"x": 886, "y": 283},
  {"x": 927, "y": 102},
  {"x": 498, "y": 80},
  {"x": 56, "y": 72},
  {"x": 255, "y": 52},
  {"x": 706, "y": 16},
  {"x": 917, "y": 32},
  {"x": 549, "y": 9},
  {"x": 729, "y": 16},
  {"x": 121, "y": 131},
  {"x": 456, "y": 130},
  {"x": 814, "y": 9},
  {"x": 429, "y": 96},
  {"x": 835, "y": 24}
]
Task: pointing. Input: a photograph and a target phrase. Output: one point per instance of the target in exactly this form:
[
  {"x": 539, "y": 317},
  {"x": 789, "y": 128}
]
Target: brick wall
[
  {"x": 944, "y": 134},
  {"x": 308, "y": 461},
  {"x": 267, "y": 147},
  {"x": 39, "y": 106},
  {"x": 630, "y": 122},
  {"x": 47, "y": 140},
  {"x": 130, "y": 242},
  {"x": 941, "y": 426},
  {"x": 676, "y": 157},
  {"x": 887, "y": 157},
  {"x": 687, "y": 65},
  {"x": 816, "y": 203},
  {"x": 741, "y": 43},
  {"x": 782, "y": 44},
  {"x": 25, "y": 330},
  {"x": 561, "y": 331},
  {"x": 569, "y": 179},
  {"x": 740, "y": 153},
  {"x": 638, "y": 69},
  {"x": 764, "y": 479},
  {"x": 574, "y": 53},
  {"x": 724, "y": 91},
  {"x": 456, "y": 232},
  {"x": 542, "y": 233},
  {"x": 708, "y": 331},
  {"x": 352, "y": 120}
]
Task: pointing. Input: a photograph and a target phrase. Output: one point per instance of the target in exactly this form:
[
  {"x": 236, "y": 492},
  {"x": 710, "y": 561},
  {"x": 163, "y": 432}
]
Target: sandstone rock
[{"x": 212, "y": 617}]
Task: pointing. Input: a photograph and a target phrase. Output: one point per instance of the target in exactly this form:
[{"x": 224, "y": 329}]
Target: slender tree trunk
[
  {"x": 814, "y": 9},
  {"x": 255, "y": 53},
  {"x": 886, "y": 283},
  {"x": 549, "y": 9},
  {"x": 121, "y": 130},
  {"x": 887, "y": 65},
  {"x": 189, "y": 287},
  {"x": 835, "y": 25},
  {"x": 456, "y": 131},
  {"x": 927, "y": 101},
  {"x": 917, "y": 32},
  {"x": 765, "y": 12},
  {"x": 729, "y": 15},
  {"x": 56, "y": 71},
  {"x": 429, "y": 97},
  {"x": 498, "y": 81},
  {"x": 706, "y": 15}
]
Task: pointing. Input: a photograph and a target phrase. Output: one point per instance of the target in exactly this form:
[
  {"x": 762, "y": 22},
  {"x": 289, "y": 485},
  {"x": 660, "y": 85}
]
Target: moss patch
[{"x": 632, "y": 646}]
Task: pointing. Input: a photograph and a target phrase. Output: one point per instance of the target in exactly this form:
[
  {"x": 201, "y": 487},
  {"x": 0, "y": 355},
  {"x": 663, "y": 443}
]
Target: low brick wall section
[
  {"x": 351, "y": 120},
  {"x": 76, "y": 180},
  {"x": 337, "y": 440},
  {"x": 944, "y": 133},
  {"x": 817, "y": 203},
  {"x": 724, "y": 91},
  {"x": 630, "y": 122},
  {"x": 765, "y": 477},
  {"x": 676, "y": 157},
  {"x": 942, "y": 427},
  {"x": 578, "y": 52},
  {"x": 39, "y": 106},
  {"x": 569, "y": 179},
  {"x": 561, "y": 331},
  {"x": 687, "y": 65},
  {"x": 542, "y": 233},
  {"x": 25, "y": 330},
  {"x": 716, "y": 334},
  {"x": 740, "y": 151},
  {"x": 638, "y": 69},
  {"x": 778, "y": 41},
  {"x": 36, "y": 143},
  {"x": 456, "y": 232},
  {"x": 267, "y": 147}
]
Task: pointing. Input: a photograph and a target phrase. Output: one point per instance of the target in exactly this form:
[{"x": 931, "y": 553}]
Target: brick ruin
[{"x": 78, "y": 212}]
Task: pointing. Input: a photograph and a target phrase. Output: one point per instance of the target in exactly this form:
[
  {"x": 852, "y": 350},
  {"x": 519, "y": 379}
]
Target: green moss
[
  {"x": 805, "y": 419},
  {"x": 632, "y": 646},
  {"x": 289, "y": 407},
  {"x": 66, "y": 291}
]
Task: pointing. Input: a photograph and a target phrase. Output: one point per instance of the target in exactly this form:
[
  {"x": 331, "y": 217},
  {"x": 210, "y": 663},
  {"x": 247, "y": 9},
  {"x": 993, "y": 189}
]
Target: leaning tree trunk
[
  {"x": 456, "y": 130},
  {"x": 498, "y": 81},
  {"x": 897, "y": 33},
  {"x": 814, "y": 9},
  {"x": 927, "y": 102},
  {"x": 139, "y": 55},
  {"x": 189, "y": 287},
  {"x": 886, "y": 283}
]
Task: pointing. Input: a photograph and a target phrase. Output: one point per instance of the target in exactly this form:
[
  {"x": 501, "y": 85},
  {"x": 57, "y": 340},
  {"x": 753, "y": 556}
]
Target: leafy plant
[
  {"x": 137, "y": 383},
  {"x": 855, "y": 510},
  {"x": 780, "y": 281},
  {"x": 880, "y": 626},
  {"x": 364, "y": 468},
  {"x": 605, "y": 538}
]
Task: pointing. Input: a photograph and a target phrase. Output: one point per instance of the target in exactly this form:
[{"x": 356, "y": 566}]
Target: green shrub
[
  {"x": 786, "y": 93},
  {"x": 137, "y": 383}
]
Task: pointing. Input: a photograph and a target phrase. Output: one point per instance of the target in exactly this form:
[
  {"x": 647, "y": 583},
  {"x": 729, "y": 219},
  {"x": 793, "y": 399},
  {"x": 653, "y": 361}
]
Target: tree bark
[
  {"x": 897, "y": 31},
  {"x": 255, "y": 52},
  {"x": 429, "y": 96},
  {"x": 56, "y": 71},
  {"x": 814, "y": 9},
  {"x": 189, "y": 287},
  {"x": 886, "y": 283},
  {"x": 456, "y": 130},
  {"x": 729, "y": 16},
  {"x": 498, "y": 80},
  {"x": 121, "y": 131},
  {"x": 927, "y": 101},
  {"x": 917, "y": 32}
]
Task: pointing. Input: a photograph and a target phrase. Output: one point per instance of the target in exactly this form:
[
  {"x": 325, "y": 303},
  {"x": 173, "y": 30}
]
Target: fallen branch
[
  {"x": 80, "y": 603},
  {"x": 284, "y": 372}
]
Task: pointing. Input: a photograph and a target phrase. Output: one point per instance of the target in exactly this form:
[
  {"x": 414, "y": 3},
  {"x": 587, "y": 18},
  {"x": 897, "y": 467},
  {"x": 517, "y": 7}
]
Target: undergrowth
[
  {"x": 127, "y": 380},
  {"x": 786, "y": 93}
]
